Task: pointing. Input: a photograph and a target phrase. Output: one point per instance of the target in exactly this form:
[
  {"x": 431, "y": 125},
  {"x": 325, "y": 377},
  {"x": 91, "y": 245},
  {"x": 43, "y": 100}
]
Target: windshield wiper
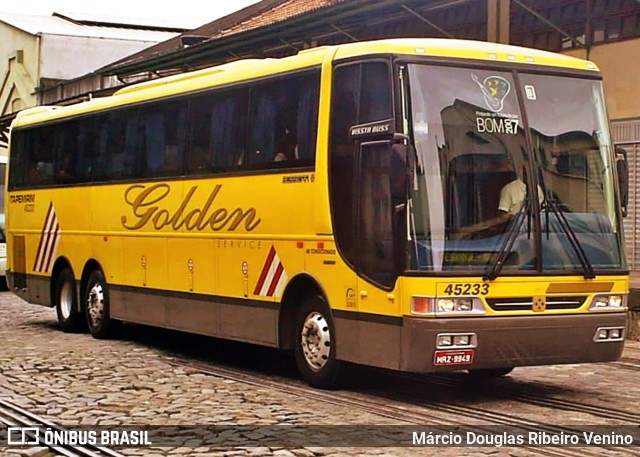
[
  {"x": 552, "y": 204},
  {"x": 513, "y": 230}
]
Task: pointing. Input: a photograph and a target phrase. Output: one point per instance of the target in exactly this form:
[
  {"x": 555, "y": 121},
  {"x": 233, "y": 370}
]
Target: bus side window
[
  {"x": 65, "y": 146},
  {"x": 163, "y": 129},
  {"x": 227, "y": 130},
  {"x": 86, "y": 146},
  {"x": 71, "y": 145},
  {"x": 216, "y": 131},
  {"x": 128, "y": 159},
  {"x": 118, "y": 145},
  {"x": 42, "y": 155},
  {"x": 115, "y": 147},
  {"x": 25, "y": 173},
  {"x": 199, "y": 120},
  {"x": 262, "y": 134},
  {"x": 283, "y": 119},
  {"x": 307, "y": 118},
  {"x": 101, "y": 158},
  {"x": 375, "y": 97}
]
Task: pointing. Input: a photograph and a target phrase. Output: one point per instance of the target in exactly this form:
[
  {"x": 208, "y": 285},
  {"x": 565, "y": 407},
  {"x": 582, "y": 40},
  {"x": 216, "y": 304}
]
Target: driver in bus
[
  {"x": 511, "y": 199},
  {"x": 512, "y": 196}
]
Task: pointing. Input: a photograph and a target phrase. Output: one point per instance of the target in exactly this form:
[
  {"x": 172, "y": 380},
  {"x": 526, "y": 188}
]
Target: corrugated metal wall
[{"x": 626, "y": 134}]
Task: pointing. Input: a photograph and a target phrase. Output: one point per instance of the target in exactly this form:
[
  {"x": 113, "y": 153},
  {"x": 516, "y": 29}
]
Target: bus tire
[
  {"x": 490, "y": 373},
  {"x": 314, "y": 344},
  {"x": 65, "y": 299},
  {"x": 96, "y": 301}
]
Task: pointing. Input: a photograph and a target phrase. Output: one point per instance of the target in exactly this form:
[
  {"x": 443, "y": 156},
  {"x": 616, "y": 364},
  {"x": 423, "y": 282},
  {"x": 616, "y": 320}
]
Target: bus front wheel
[
  {"x": 314, "y": 345},
  {"x": 96, "y": 300},
  {"x": 65, "y": 300}
]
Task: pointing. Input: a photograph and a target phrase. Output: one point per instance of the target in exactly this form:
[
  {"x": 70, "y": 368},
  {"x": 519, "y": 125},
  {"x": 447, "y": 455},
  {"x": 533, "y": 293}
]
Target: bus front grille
[{"x": 526, "y": 303}]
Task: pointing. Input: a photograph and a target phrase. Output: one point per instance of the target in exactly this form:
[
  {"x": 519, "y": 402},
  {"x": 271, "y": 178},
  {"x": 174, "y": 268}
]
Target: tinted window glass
[
  {"x": 163, "y": 128},
  {"x": 42, "y": 155},
  {"x": 19, "y": 159},
  {"x": 118, "y": 139},
  {"x": 65, "y": 151},
  {"x": 361, "y": 94},
  {"x": 217, "y": 125},
  {"x": 86, "y": 147},
  {"x": 375, "y": 99},
  {"x": 376, "y": 237},
  {"x": 344, "y": 114},
  {"x": 283, "y": 119},
  {"x": 206, "y": 133}
]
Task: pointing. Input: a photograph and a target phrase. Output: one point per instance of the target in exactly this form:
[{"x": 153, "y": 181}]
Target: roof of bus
[
  {"x": 464, "y": 49},
  {"x": 242, "y": 70}
]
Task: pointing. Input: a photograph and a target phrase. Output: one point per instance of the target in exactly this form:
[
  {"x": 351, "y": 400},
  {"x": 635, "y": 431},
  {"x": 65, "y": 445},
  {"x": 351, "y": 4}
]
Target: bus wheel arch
[
  {"x": 306, "y": 323},
  {"x": 298, "y": 289},
  {"x": 96, "y": 302},
  {"x": 64, "y": 297}
]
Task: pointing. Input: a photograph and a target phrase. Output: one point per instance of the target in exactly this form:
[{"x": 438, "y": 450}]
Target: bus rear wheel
[
  {"x": 96, "y": 301},
  {"x": 65, "y": 299},
  {"x": 314, "y": 345}
]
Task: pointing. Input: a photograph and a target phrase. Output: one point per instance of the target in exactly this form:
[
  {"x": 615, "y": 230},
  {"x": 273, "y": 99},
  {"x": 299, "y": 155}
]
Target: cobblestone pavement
[{"x": 75, "y": 380}]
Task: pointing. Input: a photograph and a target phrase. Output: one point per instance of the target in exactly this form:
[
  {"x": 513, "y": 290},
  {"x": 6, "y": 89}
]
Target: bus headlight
[
  {"x": 608, "y": 302},
  {"x": 444, "y": 341},
  {"x": 454, "y": 306},
  {"x": 456, "y": 340},
  {"x": 461, "y": 340},
  {"x": 608, "y": 334},
  {"x": 445, "y": 305}
]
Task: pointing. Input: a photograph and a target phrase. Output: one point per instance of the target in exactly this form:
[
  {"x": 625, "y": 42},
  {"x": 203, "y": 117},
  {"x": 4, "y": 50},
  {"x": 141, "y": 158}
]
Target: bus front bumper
[{"x": 511, "y": 341}]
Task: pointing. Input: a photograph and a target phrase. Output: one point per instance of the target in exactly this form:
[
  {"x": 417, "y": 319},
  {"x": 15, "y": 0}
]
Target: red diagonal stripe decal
[
  {"x": 274, "y": 281},
  {"x": 265, "y": 271},
  {"x": 44, "y": 239}
]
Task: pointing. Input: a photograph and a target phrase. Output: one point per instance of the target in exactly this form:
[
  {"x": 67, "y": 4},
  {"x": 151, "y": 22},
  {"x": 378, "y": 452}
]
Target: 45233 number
[{"x": 466, "y": 289}]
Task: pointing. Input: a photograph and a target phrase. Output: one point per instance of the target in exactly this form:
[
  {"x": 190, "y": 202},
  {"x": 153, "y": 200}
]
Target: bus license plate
[{"x": 464, "y": 357}]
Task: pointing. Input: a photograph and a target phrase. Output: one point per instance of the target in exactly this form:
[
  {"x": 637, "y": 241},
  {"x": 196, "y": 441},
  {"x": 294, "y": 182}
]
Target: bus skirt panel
[{"x": 499, "y": 342}]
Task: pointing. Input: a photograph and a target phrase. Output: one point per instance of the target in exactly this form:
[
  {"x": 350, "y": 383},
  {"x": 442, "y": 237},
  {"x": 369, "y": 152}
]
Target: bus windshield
[{"x": 535, "y": 188}]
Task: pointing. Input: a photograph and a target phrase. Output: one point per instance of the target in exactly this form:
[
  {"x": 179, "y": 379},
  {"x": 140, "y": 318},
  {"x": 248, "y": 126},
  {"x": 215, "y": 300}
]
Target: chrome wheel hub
[{"x": 316, "y": 340}]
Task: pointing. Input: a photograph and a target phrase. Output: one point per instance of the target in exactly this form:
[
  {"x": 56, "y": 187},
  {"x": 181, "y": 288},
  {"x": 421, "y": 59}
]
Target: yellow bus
[{"x": 421, "y": 205}]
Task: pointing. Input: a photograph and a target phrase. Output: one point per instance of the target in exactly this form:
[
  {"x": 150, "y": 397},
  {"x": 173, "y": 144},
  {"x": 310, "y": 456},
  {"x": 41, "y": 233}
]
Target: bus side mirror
[{"x": 622, "y": 167}]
